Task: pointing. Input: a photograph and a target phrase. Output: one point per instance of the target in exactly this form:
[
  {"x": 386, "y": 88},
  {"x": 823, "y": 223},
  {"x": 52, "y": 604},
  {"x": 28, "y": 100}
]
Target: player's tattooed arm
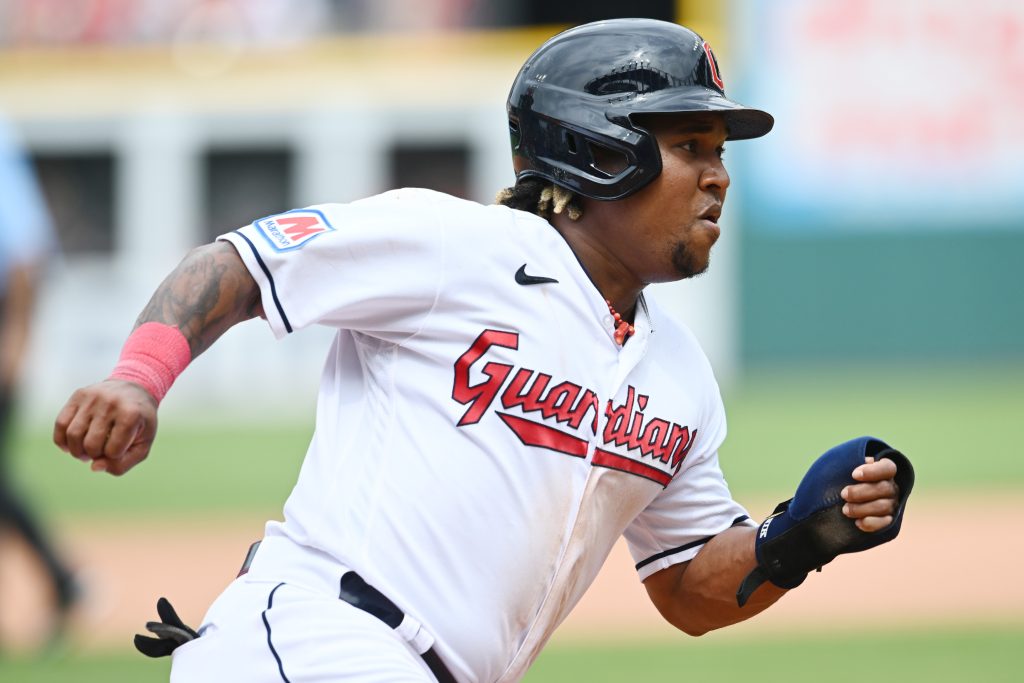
[
  {"x": 112, "y": 423},
  {"x": 210, "y": 291}
]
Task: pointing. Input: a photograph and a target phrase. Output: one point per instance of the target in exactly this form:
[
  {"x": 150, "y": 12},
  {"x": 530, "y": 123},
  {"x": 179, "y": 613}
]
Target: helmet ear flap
[
  {"x": 575, "y": 145},
  {"x": 585, "y": 151},
  {"x": 570, "y": 142},
  {"x": 514, "y": 133},
  {"x": 605, "y": 160}
]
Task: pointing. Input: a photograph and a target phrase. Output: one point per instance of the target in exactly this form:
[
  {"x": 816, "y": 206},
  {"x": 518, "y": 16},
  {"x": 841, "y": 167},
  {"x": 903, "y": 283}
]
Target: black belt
[{"x": 356, "y": 592}]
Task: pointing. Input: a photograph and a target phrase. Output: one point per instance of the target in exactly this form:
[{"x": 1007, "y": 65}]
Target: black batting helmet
[{"x": 571, "y": 105}]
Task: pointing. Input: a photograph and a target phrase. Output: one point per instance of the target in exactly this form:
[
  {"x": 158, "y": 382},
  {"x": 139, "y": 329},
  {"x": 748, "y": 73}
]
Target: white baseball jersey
[{"x": 481, "y": 440}]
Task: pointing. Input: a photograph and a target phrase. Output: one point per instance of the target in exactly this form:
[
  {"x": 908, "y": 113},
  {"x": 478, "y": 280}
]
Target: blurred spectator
[{"x": 26, "y": 240}]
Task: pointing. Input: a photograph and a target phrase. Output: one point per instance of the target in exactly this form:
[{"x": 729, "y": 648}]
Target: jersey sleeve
[
  {"x": 693, "y": 508},
  {"x": 375, "y": 265}
]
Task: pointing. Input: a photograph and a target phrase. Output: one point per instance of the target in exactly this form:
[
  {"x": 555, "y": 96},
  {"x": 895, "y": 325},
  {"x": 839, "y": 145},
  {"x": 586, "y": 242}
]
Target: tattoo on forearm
[{"x": 207, "y": 293}]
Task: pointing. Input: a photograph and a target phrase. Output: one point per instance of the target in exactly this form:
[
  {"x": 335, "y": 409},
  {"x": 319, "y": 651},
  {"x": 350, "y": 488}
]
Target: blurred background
[{"x": 867, "y": 282}]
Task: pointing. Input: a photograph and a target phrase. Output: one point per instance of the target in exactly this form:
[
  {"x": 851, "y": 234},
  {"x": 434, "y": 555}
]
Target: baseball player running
[{"x": 502, "y": 400}]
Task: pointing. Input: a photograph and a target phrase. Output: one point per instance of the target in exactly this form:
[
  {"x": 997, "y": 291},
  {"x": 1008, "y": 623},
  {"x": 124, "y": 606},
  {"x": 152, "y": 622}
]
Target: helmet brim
[{"x": 742, "y": 122}]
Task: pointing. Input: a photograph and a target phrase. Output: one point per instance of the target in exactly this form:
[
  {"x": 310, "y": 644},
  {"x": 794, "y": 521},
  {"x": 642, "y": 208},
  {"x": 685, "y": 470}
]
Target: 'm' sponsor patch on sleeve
[{"x": 292, "y": 229}]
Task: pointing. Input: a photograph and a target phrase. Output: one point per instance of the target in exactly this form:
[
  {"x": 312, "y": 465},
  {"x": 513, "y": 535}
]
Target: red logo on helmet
[{"x": 713, "y": 65}]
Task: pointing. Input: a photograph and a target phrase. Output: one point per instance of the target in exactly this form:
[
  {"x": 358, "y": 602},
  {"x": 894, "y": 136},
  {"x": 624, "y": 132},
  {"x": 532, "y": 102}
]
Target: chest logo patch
[
  {"x": 556, "y": 416},
  {"x": 293, "y": 229}
]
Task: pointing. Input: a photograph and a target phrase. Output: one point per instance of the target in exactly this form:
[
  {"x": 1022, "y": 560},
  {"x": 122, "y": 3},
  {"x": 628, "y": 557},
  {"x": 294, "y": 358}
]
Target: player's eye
[{"x": 721, "y": 152}]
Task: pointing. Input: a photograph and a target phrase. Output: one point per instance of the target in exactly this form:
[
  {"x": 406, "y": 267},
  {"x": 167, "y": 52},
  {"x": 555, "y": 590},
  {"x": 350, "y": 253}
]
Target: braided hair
[{"x": 540, "y": 197}]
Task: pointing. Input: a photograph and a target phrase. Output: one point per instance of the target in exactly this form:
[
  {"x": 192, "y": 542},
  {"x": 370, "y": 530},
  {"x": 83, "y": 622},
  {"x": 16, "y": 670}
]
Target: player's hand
[
  {"x": 872, "y": 502},
  {"x": 111, "y": 424}
]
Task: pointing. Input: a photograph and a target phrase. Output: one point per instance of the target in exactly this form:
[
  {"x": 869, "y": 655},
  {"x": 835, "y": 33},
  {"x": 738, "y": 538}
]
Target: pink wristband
[{"x": 153, "y": 357}]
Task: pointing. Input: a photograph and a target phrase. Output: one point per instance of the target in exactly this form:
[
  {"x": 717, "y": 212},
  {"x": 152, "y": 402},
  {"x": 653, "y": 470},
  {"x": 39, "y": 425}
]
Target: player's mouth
[
  {"x": 712, "y": 214},
  {"x": 709, "y": 218}
]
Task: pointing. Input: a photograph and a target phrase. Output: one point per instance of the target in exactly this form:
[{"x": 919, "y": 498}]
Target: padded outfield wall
[{"x": 914, "y": 296}]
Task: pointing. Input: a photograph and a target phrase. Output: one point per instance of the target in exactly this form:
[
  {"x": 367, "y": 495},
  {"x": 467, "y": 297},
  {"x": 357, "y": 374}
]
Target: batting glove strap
[
  {"x": 787, "y": 550},
  {"x": 810, "y": 530}
]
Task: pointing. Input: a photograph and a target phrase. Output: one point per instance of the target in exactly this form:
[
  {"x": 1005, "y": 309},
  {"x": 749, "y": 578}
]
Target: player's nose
[{"x": 715, "y": 177}]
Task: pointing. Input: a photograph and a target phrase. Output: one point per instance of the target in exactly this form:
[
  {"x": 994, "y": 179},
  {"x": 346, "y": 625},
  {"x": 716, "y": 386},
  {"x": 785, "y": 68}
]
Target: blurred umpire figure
[{"x": 26, "y": 239}]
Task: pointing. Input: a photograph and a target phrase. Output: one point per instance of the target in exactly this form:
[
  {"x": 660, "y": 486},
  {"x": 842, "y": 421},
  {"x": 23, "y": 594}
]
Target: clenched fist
[{"x": 111, "y": 424}]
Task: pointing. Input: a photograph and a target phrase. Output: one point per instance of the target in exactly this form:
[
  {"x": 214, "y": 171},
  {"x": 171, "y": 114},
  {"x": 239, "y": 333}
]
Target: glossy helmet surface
[{"x": 571, "y": 106}]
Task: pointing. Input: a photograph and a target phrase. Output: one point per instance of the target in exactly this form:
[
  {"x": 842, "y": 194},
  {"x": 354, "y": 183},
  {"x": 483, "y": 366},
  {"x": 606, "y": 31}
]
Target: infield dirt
[{"x": 956, "y": 560}]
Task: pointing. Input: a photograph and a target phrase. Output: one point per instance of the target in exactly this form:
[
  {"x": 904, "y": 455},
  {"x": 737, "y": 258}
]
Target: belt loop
[
  {"x": 356, "y": 592},
  {"x": 249, "y": 557},
  {"x": 413, "y": 633}
]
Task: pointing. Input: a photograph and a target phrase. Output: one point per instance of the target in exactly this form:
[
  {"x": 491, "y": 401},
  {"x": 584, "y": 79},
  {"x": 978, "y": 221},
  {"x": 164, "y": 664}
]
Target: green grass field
[
  {"x": 941, "y": 656},
  {"x": 956, "y": 425},
  {"x": 978, "y": 655}
]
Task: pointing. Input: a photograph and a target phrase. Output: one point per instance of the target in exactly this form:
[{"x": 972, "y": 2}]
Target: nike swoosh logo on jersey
[{"x": 524, "y": 279}]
